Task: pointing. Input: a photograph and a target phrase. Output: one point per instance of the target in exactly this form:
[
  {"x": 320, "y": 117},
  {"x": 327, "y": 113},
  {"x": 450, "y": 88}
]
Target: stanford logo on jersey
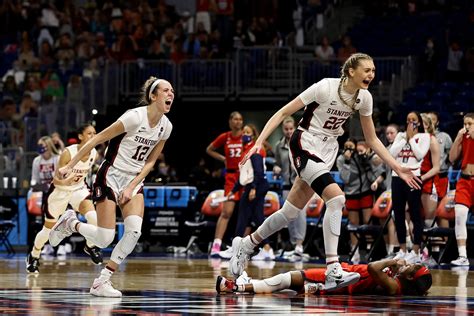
[{"x": 98, "y": 192}]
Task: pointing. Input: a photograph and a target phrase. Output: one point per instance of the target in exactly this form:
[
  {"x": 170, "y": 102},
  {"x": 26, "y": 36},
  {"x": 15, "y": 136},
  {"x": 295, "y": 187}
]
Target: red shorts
[
  {"x": 440, "y": 184},
  {"x": 230, "y": 181},
  {"x": 366, "y": 200},
  {"x": 465, "y": 192}
]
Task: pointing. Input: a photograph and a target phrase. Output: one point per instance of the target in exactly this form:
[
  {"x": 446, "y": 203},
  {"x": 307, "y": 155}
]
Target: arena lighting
[{"x": 94, "y": 111}]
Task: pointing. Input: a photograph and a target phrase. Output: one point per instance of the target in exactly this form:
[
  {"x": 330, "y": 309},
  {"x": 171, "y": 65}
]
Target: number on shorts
[
  {"x": 140, "y": 153},
  {"x": 333, "y": 122}
]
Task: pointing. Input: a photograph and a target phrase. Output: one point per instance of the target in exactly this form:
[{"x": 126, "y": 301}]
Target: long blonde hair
[
  {"x": 49, "y": 145},
  {"x": 352, "y": 62}
]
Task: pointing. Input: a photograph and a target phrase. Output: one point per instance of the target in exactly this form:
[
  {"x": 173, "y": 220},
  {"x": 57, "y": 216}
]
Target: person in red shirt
[
  {"x": 384, "y": 277},
  {"x": 231, "y": 142},
  {"x": 463, "y": 147}
]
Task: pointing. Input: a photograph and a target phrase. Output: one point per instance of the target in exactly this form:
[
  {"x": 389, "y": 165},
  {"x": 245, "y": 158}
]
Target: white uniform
[
  {"x": 42, "y": 170},
  {"x": 61, "y": 195},
  {"x": 314, "y": 144},
  {"x": 127, "y": 153},
  {"x": 410, "y": 154}
]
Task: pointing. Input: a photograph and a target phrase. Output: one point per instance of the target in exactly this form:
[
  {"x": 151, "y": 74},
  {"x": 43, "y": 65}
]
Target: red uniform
[
  {"x": 465, "y": 185},
  {"x": 233, "y": 153},
  {"x": 365, "y": 285},
  {"x": 441, "y": 185}
]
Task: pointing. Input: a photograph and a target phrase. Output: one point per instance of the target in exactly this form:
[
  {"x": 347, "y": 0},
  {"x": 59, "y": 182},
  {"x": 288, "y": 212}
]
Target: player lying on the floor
[{"x": 384, "y": 277}]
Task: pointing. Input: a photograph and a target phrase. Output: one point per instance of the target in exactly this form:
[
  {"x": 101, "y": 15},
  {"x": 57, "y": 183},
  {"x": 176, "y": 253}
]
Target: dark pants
[
  {"x": 401, "y": 194},
  {"x": 251, "y": 211}
]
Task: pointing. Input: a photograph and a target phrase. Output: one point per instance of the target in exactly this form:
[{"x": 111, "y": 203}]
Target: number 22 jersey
[
  {"x": 325, "y": 113},
  {"x": 129, "y": 151}
]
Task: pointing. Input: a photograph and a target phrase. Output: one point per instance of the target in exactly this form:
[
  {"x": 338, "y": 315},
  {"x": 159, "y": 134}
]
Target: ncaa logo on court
[{"x": 298, "y": 162}]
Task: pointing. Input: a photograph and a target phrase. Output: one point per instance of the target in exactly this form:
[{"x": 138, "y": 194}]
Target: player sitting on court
[{"x": 384, "y": 277}]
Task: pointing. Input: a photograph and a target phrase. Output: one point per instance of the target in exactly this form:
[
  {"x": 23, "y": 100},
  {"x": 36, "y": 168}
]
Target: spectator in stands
[
  {"x": 354, "y": 165},
  {"x": 32, "y": 88},
  {"x": 324, "y": 51},
  {"x": 203, "y": 13},
  {"x": 346, "y": 49},
  {"x": 10, "y": 89},
  {"x": 429, "y": 61},
  {"x": 7, "y": 113},
  {"x": 429, "y": 173},
  {"x": 231, "y": 142},
  {"x": 283, "y": 169},
  {"x": 409, "y": 149},
  {"x": 224, "y": 17},
  {"x": 455, "y": 57},
  {"x": 58, "y": 142},
  {"x": 252, "y": 198},
  {"x": 27, "y": 56},
  {"x": 65, "y": 53},
  {"x": 46, "y": 54},
  {"x": 463, "y": 149}
]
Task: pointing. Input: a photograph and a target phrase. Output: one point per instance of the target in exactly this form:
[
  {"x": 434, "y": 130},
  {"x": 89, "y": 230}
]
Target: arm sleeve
[
  {"x": 420, "y": 148},
  {"x": 398, "y": 144},
  {"x": 130, "y": 120},
  {"x": 318, "y": 92}
]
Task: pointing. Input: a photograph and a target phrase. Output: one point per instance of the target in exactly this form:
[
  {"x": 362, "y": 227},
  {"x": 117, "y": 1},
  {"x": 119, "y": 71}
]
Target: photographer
[{"x": 356, "y": 170}]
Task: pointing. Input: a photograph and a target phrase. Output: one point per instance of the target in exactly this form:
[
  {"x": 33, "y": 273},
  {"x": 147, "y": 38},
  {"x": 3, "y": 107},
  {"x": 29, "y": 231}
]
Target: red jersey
[
  {"x": 233, "y": 149},
  {"x": 427, "y": 163},
  {"x": 467, "y": 151},
  {"x": 365, "y": 285}
]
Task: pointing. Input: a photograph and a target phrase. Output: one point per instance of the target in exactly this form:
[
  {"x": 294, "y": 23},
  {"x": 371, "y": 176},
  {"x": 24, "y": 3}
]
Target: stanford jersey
[
  {"x": 232, "y": 149},
  {"x": 80, "y": 170},
  {"x": 327, "y": 114},
  {"x": 129, "y": 151}
]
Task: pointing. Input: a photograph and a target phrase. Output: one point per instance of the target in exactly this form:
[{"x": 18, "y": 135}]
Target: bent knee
[{"x": 105, "y": 237}]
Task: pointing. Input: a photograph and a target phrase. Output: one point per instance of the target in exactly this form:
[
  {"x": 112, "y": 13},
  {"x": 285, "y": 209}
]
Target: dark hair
[
  {"x": 83, "y": 127},
  {"x": 418, "y": 286},
  {"x": 469, "y": 115},
  {"x": 231, "y": 116},
  {"x": 421, "y": 128}
]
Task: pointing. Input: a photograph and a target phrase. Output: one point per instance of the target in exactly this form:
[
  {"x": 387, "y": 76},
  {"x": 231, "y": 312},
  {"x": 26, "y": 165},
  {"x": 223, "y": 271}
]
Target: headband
[
  {"x": 152, "y": 88},
  {"x": 421, "y": 272}
]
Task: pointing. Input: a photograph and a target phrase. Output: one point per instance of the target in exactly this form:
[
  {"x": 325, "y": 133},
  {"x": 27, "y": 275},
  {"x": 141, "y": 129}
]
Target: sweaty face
[{"x": 363, "y": 74}]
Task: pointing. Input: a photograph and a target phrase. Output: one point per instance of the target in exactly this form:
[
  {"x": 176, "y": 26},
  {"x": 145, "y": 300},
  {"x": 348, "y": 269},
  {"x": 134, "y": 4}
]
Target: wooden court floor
[{"x": 181, "y": 285}]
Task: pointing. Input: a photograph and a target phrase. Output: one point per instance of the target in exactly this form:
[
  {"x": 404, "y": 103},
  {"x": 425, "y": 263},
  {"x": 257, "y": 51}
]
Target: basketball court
[{"x": 185, "y": 285}]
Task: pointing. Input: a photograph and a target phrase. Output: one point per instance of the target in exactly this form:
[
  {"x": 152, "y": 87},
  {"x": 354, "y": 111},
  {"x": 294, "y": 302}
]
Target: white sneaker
[
  {"x": 61, "y": 229},
  {"x": 47, "y": 250},
  {"x": 413, "y": 257},
  {"x": 68, "y": 247},
  {"x": 240, "y": 257},
  {"x": 264, "y": 255},
  {"x": 337, "y": 278},
  {"x": 226, "y": 254},
  {"x": 61, "y": 251},
  {"x": 313, "y": 288},
  {"x": 104, "y": 288},
  {"x": 400, "y": 255},
  {"x": 461, "y": 261},
  {"x": 243, "y": 279}
]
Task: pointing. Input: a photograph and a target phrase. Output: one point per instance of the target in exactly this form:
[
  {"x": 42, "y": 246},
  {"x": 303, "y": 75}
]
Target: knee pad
[
  {"x": 105, "y": 237},
  {"x": 333, "y": 214},
  {"x": 125, "y": 246},
  {"x": 278, "y": 220},
  {"x": 91, "y": 217},
  {"x": 461, "y": 219}
]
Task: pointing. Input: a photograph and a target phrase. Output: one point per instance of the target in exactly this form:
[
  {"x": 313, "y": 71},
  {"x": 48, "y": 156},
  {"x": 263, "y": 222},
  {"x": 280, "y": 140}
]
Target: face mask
[
  {"x": 41, "y": 149},
  {"x": 246, "y": 139}
]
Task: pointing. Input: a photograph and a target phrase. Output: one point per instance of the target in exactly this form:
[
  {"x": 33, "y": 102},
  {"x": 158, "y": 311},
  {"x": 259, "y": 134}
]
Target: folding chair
[
  {"x": 272, "y": 203},
  {"x": 382, "y": 210},
  {"x": 445, "y": 210},
  {"x": 6, "y": 227}
]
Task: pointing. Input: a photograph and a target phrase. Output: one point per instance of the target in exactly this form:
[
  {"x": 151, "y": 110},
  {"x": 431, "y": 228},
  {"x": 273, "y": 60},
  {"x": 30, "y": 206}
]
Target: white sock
[
  {"x": 105, "y": 273},
  {"x": 462, "y": 251},
  {"x": 40, "y": 240},
  {"x": 217, "y": 241}
]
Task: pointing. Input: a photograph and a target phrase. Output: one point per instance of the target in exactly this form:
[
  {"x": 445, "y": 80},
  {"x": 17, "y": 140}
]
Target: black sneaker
[
  {"x": 94, "y": 253},
  {"x": 32, "y": 264}
]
